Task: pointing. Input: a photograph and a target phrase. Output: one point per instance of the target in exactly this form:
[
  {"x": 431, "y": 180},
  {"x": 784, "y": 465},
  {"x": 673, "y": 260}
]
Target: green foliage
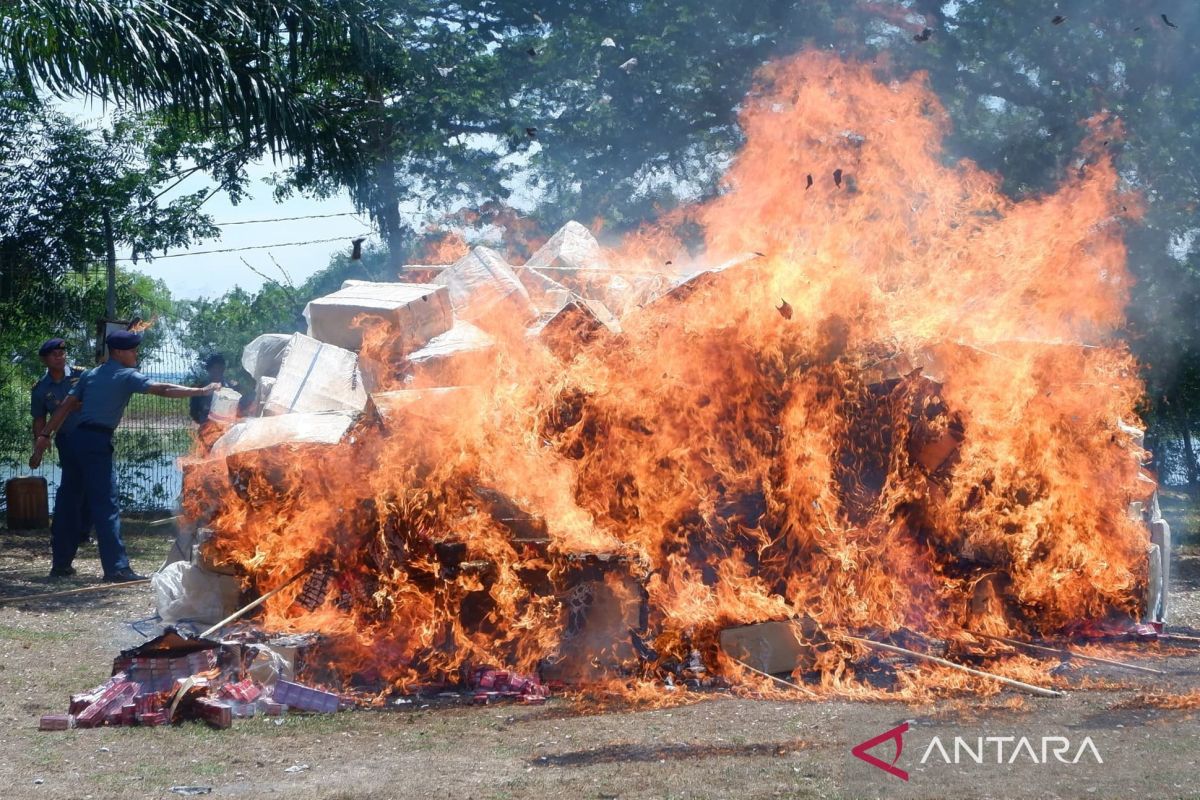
[
  {"x": 69, "y": 309},
  {"x": 61, "y": 181},
  {"x": 219, "y": 64}
]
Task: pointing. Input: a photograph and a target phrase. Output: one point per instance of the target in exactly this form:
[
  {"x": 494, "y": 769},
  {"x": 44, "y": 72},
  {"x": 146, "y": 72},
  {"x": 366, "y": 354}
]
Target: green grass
[{"x": 11, "y": 633}]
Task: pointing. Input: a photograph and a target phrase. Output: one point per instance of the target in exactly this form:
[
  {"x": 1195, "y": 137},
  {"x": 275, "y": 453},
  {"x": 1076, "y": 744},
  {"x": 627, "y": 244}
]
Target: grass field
[{"x": 715, "y": 746}]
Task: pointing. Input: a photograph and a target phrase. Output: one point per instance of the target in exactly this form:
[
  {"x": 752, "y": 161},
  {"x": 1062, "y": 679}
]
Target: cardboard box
[
  {"x": 486, "y": 291},
  {"x": 325, "y": 428},
  {"x": 458, "y": 356},
  {"x": 56, "y": 722},
  {"x": 413, "y": 312},
  {"x": 264, "y": 355},
  {"x": 305, "y": 698},
  {"x": 772, "y": 647},
  {"x": 573, "y": 258},
  {"x": 316, "y": 376},
  {"x": 574, "y": 326},
  {"x": 217, "y": 713}
]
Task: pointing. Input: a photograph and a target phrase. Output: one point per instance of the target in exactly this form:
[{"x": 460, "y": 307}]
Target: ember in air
[{"x": 1058, "y": 747}]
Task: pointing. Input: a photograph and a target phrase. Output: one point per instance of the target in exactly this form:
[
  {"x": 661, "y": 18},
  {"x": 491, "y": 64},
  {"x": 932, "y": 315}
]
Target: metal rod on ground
[
  {"x": 1069, "y": 653},
  {"x": 1183, "y": 637},
  {"x": 251, "y": 606},
  {"x": 759, "y": 672},
  {"x": 891, "y": 648},
  {"x": 66, "y": 592},
  {"x": 160, "y": 522}
]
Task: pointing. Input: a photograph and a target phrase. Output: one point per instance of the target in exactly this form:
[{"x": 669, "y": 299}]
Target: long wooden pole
[
  {"x": 67, "y": 592},
  {"x": 253, "y": 605},
  {"x": 1070, "y": 654},
  {"x": 789, "y": 684},
  {"x": 891, "y": 648}
]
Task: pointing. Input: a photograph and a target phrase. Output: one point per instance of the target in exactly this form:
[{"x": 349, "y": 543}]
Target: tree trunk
[
  {"x": 1189, "y": 457},
  {"x": 385, "y": 196}
]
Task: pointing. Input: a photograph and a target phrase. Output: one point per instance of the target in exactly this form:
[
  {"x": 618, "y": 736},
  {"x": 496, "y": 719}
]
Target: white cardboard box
[
  {"x": 256, "y": 433},
  {"x": 415, "y": 313},
  {"x": 484, "y": 289},
  {"x": 316, "y": 376}
]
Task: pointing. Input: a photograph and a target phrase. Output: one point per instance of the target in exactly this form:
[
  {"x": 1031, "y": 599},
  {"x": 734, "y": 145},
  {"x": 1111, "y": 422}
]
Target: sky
[{"x": 194, "y": 273}]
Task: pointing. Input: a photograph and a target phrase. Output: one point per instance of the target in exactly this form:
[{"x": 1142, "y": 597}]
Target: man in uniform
[
  {"x": 200, "y": 407},
  {"x": 101, "y": 396},
  {"x": 71, "y": 519}
]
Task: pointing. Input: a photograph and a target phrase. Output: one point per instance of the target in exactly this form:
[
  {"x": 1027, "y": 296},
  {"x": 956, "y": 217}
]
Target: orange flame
[{"x": 922, "y": 435}]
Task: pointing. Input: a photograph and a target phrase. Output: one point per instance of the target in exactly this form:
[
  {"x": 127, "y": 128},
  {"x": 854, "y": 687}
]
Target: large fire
[{"x": 899, "y": 415}]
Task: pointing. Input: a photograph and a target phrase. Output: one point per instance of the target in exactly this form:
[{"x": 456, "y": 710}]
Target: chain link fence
[{"x": 154, "y": 432}]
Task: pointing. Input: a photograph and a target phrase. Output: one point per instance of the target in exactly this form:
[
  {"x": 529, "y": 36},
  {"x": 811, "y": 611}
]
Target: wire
[
  {"x": 343, "y": 238},
  {"x": 285, "y": 219}
]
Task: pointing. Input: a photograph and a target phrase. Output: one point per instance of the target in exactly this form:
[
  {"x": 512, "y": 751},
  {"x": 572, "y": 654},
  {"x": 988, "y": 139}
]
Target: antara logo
[
  {"x": 895, "y": 734},
  {"x": 980, "y": 750}
]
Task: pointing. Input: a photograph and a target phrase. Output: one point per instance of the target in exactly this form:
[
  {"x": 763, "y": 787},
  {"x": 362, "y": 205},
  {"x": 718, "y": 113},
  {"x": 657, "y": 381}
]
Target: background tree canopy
[{"x": 613, "y": 112}]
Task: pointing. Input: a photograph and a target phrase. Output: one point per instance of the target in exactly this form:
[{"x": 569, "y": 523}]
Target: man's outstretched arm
[{"x": 175, "y": 390}]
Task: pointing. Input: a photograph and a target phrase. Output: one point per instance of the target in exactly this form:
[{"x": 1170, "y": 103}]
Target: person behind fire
[
  {"x": 199, "y": 407},
  {"x": 71, "y": 519},
  {"x": 101, "y": 396}
]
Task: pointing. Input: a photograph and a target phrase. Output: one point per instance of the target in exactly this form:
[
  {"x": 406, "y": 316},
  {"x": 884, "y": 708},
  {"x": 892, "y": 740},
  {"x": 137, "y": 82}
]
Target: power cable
[
  {"x": 343, "y": 238},
  {"x": 285, "y": 219}
]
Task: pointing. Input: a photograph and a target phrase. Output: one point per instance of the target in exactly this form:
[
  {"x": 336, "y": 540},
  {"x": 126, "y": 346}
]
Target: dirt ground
[{"x": 715, "y": 748}]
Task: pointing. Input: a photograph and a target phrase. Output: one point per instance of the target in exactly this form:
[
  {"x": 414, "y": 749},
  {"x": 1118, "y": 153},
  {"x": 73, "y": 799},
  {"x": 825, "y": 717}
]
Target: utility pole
[{"x": 110, "y": 300}]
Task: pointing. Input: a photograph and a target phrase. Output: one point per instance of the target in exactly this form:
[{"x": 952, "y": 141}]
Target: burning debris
[{"x": 590, "y": 470}]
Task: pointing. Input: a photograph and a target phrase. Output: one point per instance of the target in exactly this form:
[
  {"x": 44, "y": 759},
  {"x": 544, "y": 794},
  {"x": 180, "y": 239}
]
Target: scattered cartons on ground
[
  {"x": 485, "y": 291},
  {"x": 305, "y": 698},
  {"x": 316, "y": 376},
  {"x": 413, "y": 314},
  {"x": 217, "y": 713}
]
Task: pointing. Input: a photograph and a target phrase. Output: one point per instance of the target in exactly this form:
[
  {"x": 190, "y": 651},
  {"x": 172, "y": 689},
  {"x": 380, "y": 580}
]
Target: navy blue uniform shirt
[
  {"x": 48, "y": 395},
  {"x": 105, "y": 391}
]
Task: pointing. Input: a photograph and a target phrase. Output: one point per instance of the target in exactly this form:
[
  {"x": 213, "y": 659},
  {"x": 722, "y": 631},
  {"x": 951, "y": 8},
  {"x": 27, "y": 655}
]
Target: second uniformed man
[{"x": 71, "y": 518}]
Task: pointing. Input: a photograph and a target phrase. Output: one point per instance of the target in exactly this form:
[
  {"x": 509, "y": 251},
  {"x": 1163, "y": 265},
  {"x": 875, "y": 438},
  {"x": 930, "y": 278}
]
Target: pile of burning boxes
[{"x": 312, "y": 389}]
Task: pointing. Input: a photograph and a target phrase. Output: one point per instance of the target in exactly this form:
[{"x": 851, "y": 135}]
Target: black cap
[
  {"x": 123, "y": 340},
  {"x": 214, "y": 359},
  {"x": 50, "y": 345}
]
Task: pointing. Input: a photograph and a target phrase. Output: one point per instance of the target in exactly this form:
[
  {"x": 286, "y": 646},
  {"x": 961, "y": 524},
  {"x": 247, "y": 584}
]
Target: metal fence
[{"x": 154, "y": 432}]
